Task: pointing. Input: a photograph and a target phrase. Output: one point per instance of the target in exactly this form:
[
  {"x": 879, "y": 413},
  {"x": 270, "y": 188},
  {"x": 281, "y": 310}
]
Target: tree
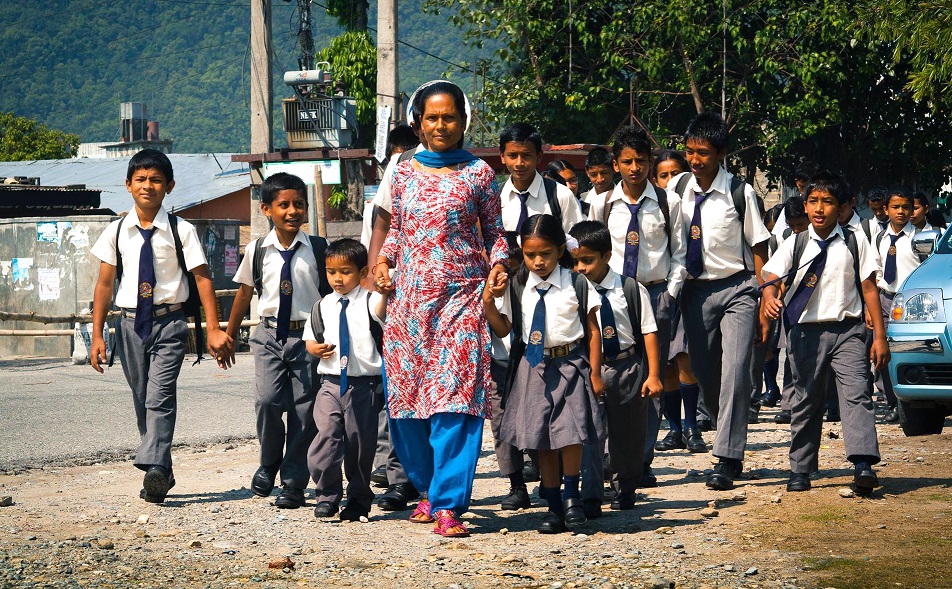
[
  {"x": 920, "y": 34},
  {"x": 25, "y": 139},
  {"x": 353, "y": 59}
]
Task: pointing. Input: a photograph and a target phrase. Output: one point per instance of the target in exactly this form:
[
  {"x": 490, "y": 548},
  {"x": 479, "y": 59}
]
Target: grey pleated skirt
[{"x": 552, "y": 406}]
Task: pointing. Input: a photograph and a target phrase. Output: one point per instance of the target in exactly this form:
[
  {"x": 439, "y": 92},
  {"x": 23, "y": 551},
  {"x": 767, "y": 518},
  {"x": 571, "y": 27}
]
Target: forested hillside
[{"x": 69, "y": 63}]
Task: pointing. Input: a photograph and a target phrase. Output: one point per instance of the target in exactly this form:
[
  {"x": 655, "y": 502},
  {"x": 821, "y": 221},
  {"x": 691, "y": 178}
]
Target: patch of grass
[
  {"x": 942, "y": 497},
  {"x": 835, "y": 564},
  {"x": 826, "y": 514}
]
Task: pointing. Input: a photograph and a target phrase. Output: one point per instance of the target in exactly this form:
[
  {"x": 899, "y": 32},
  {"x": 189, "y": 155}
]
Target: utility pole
[
  {"x": 262, "y": 104},
  {"x": 387, "y": 77}
]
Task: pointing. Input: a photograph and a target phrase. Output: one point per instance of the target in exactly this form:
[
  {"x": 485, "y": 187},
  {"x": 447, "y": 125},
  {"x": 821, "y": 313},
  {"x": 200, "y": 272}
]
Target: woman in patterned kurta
[{"x": 446, "y": 213}]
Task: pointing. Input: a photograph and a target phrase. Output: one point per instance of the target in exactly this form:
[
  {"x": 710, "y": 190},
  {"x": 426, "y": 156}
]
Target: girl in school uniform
[{"x": 555, "y": 365}]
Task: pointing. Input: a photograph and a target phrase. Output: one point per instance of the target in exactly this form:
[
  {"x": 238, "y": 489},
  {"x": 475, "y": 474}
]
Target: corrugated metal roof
[{"x": 198, "y": 177}]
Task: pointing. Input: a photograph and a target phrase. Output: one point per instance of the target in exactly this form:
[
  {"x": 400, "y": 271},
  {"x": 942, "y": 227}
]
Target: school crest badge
[
  {"x": 608, "y": 332},
  {"x": 892, "y": 250},
  {"x": 343, "y": 362},
  {"x": 286, "y": 287},
  {"x": 810, "y": 280},
  {"x": 145, "y": 291},
  {"x": 695, "y": 232},
  {"x": 632, "y": 238},
  {"x": 535, "y": 338}
]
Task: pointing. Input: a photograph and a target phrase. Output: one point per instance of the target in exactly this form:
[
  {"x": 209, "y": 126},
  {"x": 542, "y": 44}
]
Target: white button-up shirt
[
  {"x": 364, "y": 360},
  {"x": 538, "y": 204},
  {"x": 170, "y": 284},
  {"x": 562, "y": 323},
  {"x": 304, "y": 275},
  {"x": 906, "y": 258},
  {"x": 835, "y": 296},
  {"x": 722, "y": 234},
  {"x": 615, "y": 294},
  {"x": 656, "y": 260}
]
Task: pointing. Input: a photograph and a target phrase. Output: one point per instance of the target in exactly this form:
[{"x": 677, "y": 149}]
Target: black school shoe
[
  {"x": 574, "y": 512},
  {"x": 552, "y": 523},
  {"x": 892, "y": 415},
  {"x": 648, "y": 478},
  {"x": 325, "y": 509},
  {"x": 705, "y": 425},
  {"x": 865, "y": 480},
  {"x": 770, "y": 398},
  {"x": 623, "y": 501},
  {"x": 673, "y": 440},
  {"x": 592, "y": 508},
  {"x": 722, "y": 479},
  {"x": 782, "y": 417},
  {"x": 171, "y": 484},
  {"x": 262, "y": 483},
  {"x": 353, "y": 513},
  {"x": 379, "y": 476},
  {"x": 530, "y": 472},
  {"x": 694, "y": 441},
  {"x": 156, "y": 484},
  {"x": 397, "y": 497},
  {"x": 518, "y": 498},
  {"x": 290, "y": 498},
  {"x": 798, "y": 482}
]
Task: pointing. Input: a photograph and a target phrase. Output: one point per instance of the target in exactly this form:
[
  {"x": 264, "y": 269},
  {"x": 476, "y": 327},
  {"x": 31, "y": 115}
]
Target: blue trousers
[{"x": 439, "y": 455}]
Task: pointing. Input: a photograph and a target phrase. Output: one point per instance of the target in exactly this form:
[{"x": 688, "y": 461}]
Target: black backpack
[
  {"x": 554, "y": 206},
  {"x": 740, "y": 205},
  {"x": 317, "y": 326},
  {"x": 318, "y": 244},
  {"x": 193, "y": 305}
]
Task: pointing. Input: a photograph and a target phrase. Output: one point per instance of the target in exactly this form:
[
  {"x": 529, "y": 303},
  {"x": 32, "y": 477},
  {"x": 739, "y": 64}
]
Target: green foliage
[
  {"x": 338, "y": 197},
  {"x": 351, "y": 15},
  {"x": 353, "y": 59},
  {"x": 920, "y": 34},
  {"x": 25, "y": 139}
]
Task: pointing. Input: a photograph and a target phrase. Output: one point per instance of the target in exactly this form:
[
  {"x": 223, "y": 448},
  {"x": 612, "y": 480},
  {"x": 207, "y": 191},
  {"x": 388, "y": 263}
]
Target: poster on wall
[
  {"x": 21, "y": 273},
  {"x": 48, "y": 283},
  {"x": 231, "y": 260},
  {"x": 47, "y": 231}
]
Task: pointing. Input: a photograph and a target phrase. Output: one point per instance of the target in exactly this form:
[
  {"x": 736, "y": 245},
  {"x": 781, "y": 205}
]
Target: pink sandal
[
  {"x": 446, "y": 523},
  {"x": 421, "y": 515}
]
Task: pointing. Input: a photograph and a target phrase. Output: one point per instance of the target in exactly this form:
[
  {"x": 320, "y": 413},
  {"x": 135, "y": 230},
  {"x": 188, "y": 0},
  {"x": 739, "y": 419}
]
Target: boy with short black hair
[
  {"x": 598, "y": 168},
  {"x": 897, "y": 261},
  {"x": 344, "y": 330},
  {"x": 152, "y": 251},
  {"x": 726, "y": 248},
  {"x": 631, "y": 363},
  {"x": 526, "y": 192},
  {"x": 823, "y": 308},
  {"x": 876, "y": 199},
  {"x": 286, "y": 267}
]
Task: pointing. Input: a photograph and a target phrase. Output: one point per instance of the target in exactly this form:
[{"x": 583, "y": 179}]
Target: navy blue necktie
[
  {"x": 523, "y": 211},
  {"x": 889, "y": 271},
  {"x": 882, "y": 225},
  {"x": 694, "y": 261},
  {"x": 798, "y": 302},
  {"x": 285, "y": 290},
  {"x": 535, "y": 348},
  {"x": 610, "y": 345},
  {"x": 344, "y": 352},
  {"x": 632, "y": 239},
  {"x": 144, "y": 302}
]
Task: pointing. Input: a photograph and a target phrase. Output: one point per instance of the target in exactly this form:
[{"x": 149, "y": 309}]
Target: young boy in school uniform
[
  {"x": 151, "y": 292},
  {"x": 876, "y": 199},
  {"x": 291, "y": 280},
  {"x": 631, "y": 362},
  {"x": 823, "y": 309},
  {"x": 526, "y": 192},
  {"x": 598, "y": 168},
  {"x": 726, "y": 248},
  {"x": 647, "y": 244},
  {"x": 344, "y": 330},
  {"x": 897, "y": 261}
]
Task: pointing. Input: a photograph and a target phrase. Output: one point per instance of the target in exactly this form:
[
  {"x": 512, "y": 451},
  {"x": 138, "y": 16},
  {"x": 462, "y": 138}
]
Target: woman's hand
[
  {"x": 381, "y": 272},
  {"x": 497, "y": 281}
]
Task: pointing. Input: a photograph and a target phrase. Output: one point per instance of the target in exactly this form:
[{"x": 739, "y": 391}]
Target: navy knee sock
[
  {"x": 771, "y": 368},
  {"x": 570, "y": 486},
  {"x": 689, "y": 394},
  {"x": 552, "y": 496},
  {"x": 671, "y": 408}
]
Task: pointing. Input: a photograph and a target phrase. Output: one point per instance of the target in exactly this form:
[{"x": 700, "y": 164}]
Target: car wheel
[{"x": 920, "y": 421}]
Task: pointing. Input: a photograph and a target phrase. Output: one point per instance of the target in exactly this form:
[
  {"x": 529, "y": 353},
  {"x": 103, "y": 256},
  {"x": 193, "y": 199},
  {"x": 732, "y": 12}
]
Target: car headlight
[{"x": 918, "y": 306}]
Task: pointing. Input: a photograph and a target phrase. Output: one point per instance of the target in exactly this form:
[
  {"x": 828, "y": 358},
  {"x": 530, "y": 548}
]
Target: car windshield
[{"x": 945, "y": 243}]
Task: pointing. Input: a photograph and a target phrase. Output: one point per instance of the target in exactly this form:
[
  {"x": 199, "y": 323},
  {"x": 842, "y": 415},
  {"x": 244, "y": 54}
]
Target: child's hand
[
  {"x": 324, "y": 351},
  {"x": 97, "y": 354},
  {"x": 879, "y": 353},
  {"x": 382, "y": 276},
  {"x": 772, "y": 307},
  {"x": 765, "y": 330},
  {"x": 497, "y": 281},
  {"x": 868, "y": 318},
  {"x": 598, "y": 385},
  {"x": 221, "y": 347},
  {"x": 652, "y": 387}
]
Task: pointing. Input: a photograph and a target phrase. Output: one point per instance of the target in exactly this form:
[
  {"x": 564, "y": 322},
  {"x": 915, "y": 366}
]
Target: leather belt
[
  {"x": 625, "y": 354},
  {"x": 292, "y": 325},
  {"x": 561, "y": 351},
  {"x": 157, "y": 311}
]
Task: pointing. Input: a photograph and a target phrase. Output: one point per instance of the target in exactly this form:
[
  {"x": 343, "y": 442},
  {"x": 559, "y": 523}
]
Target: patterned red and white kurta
[{"x": 436, "y": 338}]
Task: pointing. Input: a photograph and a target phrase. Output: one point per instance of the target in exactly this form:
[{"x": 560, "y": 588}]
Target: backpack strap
[
  {"x": 739, "y": 196},
  {"x": 118, "y": 251},
  {"x": 318, "y": 246},
  {"x": 879, "y": 240},
  {"x": 866, "y": 229},
  {"x": 376, "y": 330},
  {"x": 517, "y": 349},
  {"x": 192, "y": 306},
  {"x": 772, "y": 244},
  {"x": 257, "y": 265},
  {"x": 317, "y": 322},
  {"x": 787, "y": 232},
  {"x": 798, "y": 246},
  {"x": 405, "y": 155},
  {"x": 633, "y": 298},
  {"x": 581, "y": 293},
  {"x": 854, "y": 251},
  {"x": 550, "y": 197},
  {"x": 682, "y": 184}
]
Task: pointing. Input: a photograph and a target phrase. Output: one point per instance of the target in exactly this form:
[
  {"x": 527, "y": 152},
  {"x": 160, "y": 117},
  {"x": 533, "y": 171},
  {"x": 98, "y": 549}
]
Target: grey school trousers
[
  {"x": 346, "y": 435},
  {"x": 151, "y": 369},
  {"x": 817, "y": 350},
  {"x": 285, "y": 382},
  {"x": 719, "y": 321},
  {"x": 663, "y": 311}
]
